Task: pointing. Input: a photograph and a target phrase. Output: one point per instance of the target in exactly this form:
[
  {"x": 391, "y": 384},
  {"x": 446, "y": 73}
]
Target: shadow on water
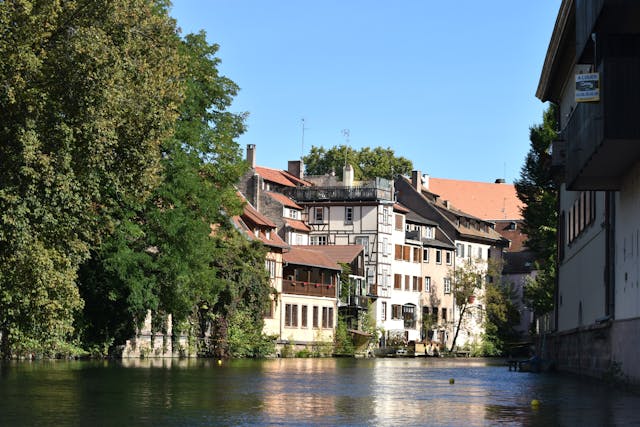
[{"x": 171, "y": 392}]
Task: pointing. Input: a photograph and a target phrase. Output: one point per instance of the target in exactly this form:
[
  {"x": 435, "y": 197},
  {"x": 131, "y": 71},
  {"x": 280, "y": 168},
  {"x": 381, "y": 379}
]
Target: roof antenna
[
  {"x": 303, "y": 129},
  {"x": 346, "y": 133}
]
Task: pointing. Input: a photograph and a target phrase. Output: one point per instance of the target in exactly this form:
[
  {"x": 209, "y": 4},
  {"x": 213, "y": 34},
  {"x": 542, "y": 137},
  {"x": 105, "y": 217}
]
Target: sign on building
[{"x": 588, "y": 87}]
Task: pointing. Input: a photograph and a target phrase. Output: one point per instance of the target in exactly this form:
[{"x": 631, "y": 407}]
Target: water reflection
[{"x": 170, "y": 392}]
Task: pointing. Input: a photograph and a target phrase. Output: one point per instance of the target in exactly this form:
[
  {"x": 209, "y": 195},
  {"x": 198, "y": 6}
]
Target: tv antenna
[
  {"x": 346, "y": 133},
  {"x": 303, "y": 129}
]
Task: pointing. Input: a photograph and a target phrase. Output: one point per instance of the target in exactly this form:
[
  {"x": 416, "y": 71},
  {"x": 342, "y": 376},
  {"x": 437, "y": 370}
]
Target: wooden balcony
[{"x": 295, "y": 287}]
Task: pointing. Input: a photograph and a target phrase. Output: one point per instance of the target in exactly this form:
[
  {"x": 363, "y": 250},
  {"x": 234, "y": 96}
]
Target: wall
[{"x": 627, "y": 248}]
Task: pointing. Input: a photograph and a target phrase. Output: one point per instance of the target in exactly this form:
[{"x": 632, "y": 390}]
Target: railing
[
  {"x": 377, "y": 190},
  {"x": 296, "y": 287}
]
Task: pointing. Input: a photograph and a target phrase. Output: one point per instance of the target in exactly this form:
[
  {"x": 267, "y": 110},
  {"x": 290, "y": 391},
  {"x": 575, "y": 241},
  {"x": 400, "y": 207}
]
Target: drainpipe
[{"x": 609, "y": 221}]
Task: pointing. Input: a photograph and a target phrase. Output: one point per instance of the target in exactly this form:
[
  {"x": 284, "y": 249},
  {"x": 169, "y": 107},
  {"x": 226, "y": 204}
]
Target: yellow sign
[{"x": 588, "y": 87}]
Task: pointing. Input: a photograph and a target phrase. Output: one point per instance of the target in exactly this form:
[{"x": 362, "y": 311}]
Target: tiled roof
[
  {"x": 397, "y": 207},
  {"x": 284, "y": 200},
  {"x": 280, "y": 177},
  {"x": 251, "y": 219},
  {"x": 297, "y": 225},
  {"x": 256, "y": 217},
  {"x": 302, "y": 255},
  {"x": 338, "y": 253},
  {"x": 516, "y": 237},
  {"x": 489, "y": 201}
]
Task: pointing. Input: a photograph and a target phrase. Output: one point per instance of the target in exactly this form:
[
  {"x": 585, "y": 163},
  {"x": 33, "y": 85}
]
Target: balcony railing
[
  {"x": 379, "y": 189},
  {"x": 308, "y": 289}
]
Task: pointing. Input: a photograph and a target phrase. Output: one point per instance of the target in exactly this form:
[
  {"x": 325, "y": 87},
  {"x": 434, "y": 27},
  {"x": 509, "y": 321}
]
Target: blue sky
[{"x": 449, "y": 85}]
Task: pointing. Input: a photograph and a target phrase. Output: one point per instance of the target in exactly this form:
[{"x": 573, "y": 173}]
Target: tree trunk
[{"x": 455, "y": 337}]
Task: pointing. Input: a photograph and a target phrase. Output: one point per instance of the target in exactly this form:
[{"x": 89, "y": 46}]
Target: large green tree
[
  {"x": 537, "y": 190},
  {"x": 367, "y": 162},
  {"x": 160, "y": 256},
  {"x": 89, "y": 90}
]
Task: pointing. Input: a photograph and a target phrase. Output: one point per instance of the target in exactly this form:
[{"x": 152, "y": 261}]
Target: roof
[
  {"x": 338, "y": 253},
  {"x": 488, "y": 201},
  {"x": 284, "y": 200},
  {"x": 414, "y": 217},
  {"x": 397, "y": 207},
  {"x": 297, "y": 225},
  {"x": 280, "y": 177},
  {"x": 302, "y": 255},
  {"x": 515, "y": 235},
  {"x": 251, "y": 219},
  {"x": 256, "y": 217},
  {"x": 554, "y": 51}
]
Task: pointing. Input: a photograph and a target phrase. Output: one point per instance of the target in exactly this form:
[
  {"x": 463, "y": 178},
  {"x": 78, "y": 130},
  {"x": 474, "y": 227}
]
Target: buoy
[
  {"x": 451, "y": 381},
  {"x": 219, "y": 362},
  {"x": 535, "y": 403}
]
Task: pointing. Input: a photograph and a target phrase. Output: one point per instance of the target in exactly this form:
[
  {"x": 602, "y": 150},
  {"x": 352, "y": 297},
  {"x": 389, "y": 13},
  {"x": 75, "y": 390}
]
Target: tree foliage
[
  {"x": 89, "y": 91},
  {"x": 538, "y": 192},
  {"x": 368, "y": 163}
]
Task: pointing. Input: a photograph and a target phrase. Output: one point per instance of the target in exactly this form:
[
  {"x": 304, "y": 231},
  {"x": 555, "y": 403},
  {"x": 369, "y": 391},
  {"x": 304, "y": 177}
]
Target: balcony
[
  {"x": 294, "y": 287},
  {"x": 603, "y": 138},
  {"x": 379, "y": 189}
]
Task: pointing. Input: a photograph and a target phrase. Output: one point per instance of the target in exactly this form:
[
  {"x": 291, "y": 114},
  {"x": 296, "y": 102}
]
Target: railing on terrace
[
  {"x": 297, "y": 287},
  {"x": 379, "y": 189}
]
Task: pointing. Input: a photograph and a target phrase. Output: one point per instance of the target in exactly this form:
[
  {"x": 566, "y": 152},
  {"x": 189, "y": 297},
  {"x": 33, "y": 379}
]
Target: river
[{"x": 290, "y": 392}]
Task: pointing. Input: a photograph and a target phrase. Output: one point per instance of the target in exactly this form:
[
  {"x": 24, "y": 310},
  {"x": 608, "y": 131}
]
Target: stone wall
[
  {"x": 147, "y": 343},
  {"x": 607, "y": 351}
]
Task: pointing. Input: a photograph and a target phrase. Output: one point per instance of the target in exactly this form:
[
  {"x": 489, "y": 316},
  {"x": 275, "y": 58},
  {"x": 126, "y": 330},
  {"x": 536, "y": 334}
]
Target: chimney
[
  {"x": 347, "y": 176},
  {"x": 500, "y": 181},
  {"x": 425, "y": 181},
  {"x": 295, "y": 168},
  {"x": 416, "y": 180},
  {"x": 251, "y": 155}
]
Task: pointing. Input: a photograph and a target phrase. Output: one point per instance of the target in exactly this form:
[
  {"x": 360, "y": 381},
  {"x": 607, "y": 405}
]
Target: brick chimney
[
  {"x": 295, "y": 168},
  {"x": 251, "y": 155},
  {"x": 416, "y": 181}
]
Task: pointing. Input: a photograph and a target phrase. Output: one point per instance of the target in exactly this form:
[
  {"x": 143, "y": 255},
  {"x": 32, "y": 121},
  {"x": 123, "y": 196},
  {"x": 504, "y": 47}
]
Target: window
[
  {"x": 459, "y": 250},
  {"x": 479, "y": 252},
  {"x": 271, "y": 268},
  {"x": 406, "y": 253},
  {"x": 434, "y": 314},
  {"x": 315, "y": 316},
  {"x": 398, "y": 222},
  {"x": 429, "y": 232},
  {"x": 396, "y": 311},
  {"x": 469, "y": 251},
  {"x": 438, "y": 256},
  {"x": 291, "y": 315},
  {"x": 427, "y": 284},
  {"x": 303, "y": 314},
  {"x": 398, "y": 252},
  {"x": 363, "y": 241},
  {"x": 447, "y": 256},
  {"x": 397, "y": 281},
  {"x": 425, "y": 255},
  {"x": 383, "y": 311},
  {"x": 327, "y": 317},
  {"x": 444, "y": 314},
  {"x": 447, "y": 285},
  {"x": 385, "y": 216},
  {"x": 348, "y": 215},
  {"x": 318, "y": 214},
  {"x": 416, "y": 255},
  {"x": 267, "y": 234},
  {"x": 409, "y": 315},
  {"x": 318, "y": 240},
  {"x": 407, "y": 283},
  {"x": 293, "y": 214},
  {"x": 417, "y": 284}
]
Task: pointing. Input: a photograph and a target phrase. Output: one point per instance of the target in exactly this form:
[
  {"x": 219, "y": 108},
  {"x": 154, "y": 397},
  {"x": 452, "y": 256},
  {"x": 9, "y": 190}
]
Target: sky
[{"x": 450, "y": 85}]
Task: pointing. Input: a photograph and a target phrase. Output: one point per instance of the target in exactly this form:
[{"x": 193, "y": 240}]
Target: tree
[
  {"x": 89, "y": 92},
  {"x": 367, "y": 163},
  {"x": 537, "y": 190},
  {"x": 160, "y": 256},
  {"x": 468, "y": 280}
]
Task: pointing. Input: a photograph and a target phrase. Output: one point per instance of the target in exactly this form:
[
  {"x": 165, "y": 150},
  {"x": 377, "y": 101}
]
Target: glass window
[
  {"x": 447, "y": 285},
  {"x": 447, "y": 255},
  {"x": 438, "y": 256},
  {"x": 427, "y": 284},
  {"x": 303, "y": 314},
  {"x": 319, "y": 214},
  {"x": 348, "y": 214},
  {"x": 315, "y": 316},
  {"x": 383, "y": 311},
  {"x": 425, "y": 255}
]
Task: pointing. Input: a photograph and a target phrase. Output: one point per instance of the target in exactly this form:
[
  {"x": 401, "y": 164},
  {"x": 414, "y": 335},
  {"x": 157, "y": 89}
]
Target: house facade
[
  {"x": 475, "y": 241},
  {"x": 589, "y": 72}
]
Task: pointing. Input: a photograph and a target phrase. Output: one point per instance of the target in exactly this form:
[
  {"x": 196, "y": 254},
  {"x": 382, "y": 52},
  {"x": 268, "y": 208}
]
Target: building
[
  {"x": 590, "y": 73},
  {"x": 497, "y": 202},
  {"x": 475, "y": 241}
]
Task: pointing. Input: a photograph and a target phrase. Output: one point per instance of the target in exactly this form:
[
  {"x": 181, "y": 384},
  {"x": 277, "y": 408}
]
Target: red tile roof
[
  {"x": 400, "y": 208},
  {"x": 487, "y": 201},
  {"x": 280, "y": 177},
  {"x": 303, "y": 255},
  {"x": 284, "y": 200},
  {"x": 297, "y": 225}
]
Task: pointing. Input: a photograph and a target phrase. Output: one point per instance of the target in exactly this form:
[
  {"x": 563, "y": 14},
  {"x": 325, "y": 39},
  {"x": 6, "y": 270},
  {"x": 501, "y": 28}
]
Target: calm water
[{"x": 301, "y": 392}]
